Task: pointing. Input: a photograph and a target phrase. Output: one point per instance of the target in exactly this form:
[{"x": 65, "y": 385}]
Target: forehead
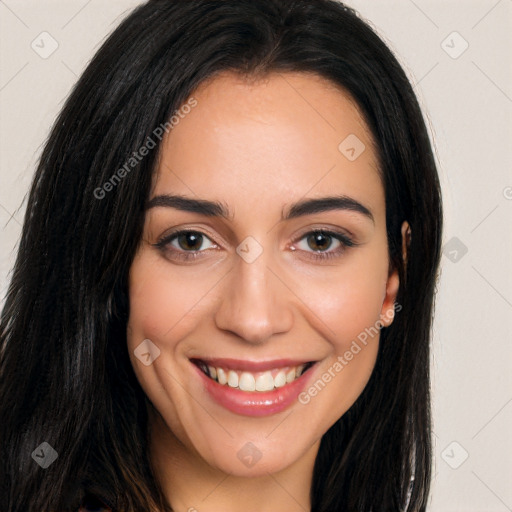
[{"x": 269, "y": 141}]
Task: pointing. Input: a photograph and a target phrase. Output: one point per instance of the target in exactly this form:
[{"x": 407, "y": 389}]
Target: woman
[{"x": 224, "y": 289}]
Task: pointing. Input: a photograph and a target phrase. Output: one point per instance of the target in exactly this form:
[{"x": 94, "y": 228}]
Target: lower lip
[{"x": 255, "y": 403}]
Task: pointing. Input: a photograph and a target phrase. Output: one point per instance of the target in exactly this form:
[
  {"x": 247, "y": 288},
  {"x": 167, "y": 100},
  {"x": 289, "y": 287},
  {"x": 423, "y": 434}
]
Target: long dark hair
[{"x": 65, "y": 374}]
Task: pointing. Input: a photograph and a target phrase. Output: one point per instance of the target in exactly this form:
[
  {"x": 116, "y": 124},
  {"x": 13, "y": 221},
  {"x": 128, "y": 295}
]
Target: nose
[{"x": 254, "y": 304}]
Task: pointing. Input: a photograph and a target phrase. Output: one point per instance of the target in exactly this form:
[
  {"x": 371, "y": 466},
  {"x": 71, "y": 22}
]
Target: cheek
[
  {"x": 348, "y": 302},
  {"x": 164, "y": 305},
  {"x": 349, "y": 308},
  {"x": 353, "y": 307},
  {"x": 164, "y": 308}
]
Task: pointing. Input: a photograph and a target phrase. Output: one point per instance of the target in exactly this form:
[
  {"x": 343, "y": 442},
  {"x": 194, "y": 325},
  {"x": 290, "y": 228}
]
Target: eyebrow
[{"x": 299, "y": 209}]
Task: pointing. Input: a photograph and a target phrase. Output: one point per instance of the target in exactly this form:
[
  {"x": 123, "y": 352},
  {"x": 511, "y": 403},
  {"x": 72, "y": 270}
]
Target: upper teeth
[{"x": 259, "y": 381}]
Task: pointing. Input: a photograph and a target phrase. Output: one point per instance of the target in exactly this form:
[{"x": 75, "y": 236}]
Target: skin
[{"x": 257, "y": 146}]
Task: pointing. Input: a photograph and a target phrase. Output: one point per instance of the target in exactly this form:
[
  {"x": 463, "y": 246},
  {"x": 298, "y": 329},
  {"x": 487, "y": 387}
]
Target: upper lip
[{"x": 250, "y": 366}]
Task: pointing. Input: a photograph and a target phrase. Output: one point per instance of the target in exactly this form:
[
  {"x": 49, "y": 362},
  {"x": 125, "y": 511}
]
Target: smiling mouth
[{"x": 244, "y": 380}]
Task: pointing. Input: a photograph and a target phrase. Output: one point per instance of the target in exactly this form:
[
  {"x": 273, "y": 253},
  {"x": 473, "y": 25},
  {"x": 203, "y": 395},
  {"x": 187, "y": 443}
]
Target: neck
[{"x": 190, "y": 484}]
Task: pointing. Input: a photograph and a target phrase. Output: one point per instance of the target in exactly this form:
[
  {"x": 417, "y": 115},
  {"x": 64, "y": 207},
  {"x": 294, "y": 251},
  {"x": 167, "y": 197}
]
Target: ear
[
  {"x": 406, "y": 240},
  {"x": 387, "y": 313}
]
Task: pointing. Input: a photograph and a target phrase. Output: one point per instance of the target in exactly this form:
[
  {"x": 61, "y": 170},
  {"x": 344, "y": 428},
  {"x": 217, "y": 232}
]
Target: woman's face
[{"x": 285, "y": 264}]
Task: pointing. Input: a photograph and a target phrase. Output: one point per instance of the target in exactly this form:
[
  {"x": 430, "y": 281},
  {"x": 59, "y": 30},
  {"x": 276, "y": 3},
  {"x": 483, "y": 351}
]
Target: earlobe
[
  {"x": 393, "y": 283},
  {"x": 387, "y": 313}
]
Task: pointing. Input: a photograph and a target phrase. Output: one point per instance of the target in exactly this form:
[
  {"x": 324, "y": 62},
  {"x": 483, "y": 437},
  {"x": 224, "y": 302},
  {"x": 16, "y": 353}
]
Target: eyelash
[{"x": 345, "y": 241}]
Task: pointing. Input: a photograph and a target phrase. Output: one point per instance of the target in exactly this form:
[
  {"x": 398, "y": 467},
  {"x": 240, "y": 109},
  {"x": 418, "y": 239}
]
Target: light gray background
[{"x": 467, "y": 97}]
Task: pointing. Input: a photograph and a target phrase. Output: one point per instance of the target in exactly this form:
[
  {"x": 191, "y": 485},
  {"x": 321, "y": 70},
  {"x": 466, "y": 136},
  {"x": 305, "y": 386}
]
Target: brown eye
[
  {"x": 185, "y": 244},
  {"x": 321, "y": 245},
  {"x": 319, "y": 241},
  {"x": 190, "y": 241}
]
